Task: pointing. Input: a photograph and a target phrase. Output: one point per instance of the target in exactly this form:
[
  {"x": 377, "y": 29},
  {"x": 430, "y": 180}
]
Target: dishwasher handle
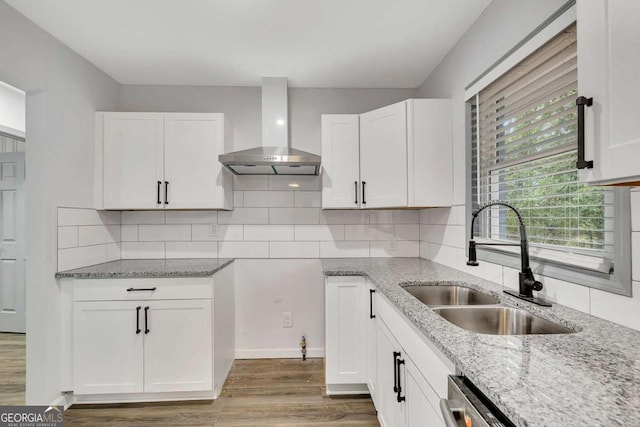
[{"x": 447, "y": 413}]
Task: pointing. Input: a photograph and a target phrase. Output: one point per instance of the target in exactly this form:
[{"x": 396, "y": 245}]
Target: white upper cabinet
[
  {"x": 609, "y": 72},
  {"x": 402, "y": 157},
  {"x": 340, "y": 161},
  {"x": 162, "y": 161},
  {"x": 383, "y": 157}
]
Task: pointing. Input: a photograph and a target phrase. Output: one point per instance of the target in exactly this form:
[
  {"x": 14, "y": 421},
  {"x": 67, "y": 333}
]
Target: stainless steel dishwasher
[{"x": 466, "y": 406}]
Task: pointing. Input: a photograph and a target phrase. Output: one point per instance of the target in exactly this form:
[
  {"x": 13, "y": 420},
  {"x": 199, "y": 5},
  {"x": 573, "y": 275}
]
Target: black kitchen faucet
[{"x": 528, "y": 283}]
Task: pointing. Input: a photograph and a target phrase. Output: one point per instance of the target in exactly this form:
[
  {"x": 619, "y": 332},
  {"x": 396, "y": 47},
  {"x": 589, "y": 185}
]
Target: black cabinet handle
[
  {"x": 581, "y": 102},
  {"x": 141, "y": 289},
  {"x": 396, "y": 354},
  {"x": 146, "y": 320},
  {"x": 398, "y": 397},
  {"x": 158, "y": 193},
  {"x": 364, "y": 200},
  {"x": 138, "y": 330},
  {"x": 166, "y": 192},
  {"x": 371, "y": 292},
  {"x": 355, "y": 184}
]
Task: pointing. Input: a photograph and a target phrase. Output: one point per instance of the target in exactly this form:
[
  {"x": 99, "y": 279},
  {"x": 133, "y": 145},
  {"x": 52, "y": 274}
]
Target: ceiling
[{"x": 315, "y": 43}]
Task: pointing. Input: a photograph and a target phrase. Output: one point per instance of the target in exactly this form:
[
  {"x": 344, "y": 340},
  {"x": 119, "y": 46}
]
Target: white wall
[
  {"x": 501, "y": 26},
  {"x": 63, "y": 91},
  {"x": 12, "y": 110}
]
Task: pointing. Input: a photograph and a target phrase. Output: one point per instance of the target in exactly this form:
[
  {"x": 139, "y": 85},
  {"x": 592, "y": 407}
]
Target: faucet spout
[{"x": 527, "y": 281}]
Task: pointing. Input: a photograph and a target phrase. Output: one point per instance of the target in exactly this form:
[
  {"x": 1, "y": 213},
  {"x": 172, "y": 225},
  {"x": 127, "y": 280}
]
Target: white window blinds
[{"x": 524, "y": 132}]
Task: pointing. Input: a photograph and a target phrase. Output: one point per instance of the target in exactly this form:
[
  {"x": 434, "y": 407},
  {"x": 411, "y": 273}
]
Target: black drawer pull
[
  {"x": 146, "y": 320},
  {"x": 166, "y": 192},
  {"x": 138, "y": 330},
  {"x": 400, "y": 398},
  {"x": 371, "y": 292},
  {"x": 396, "y": 354},
  {"x": 364, "y": 200},
  {"x": 355, "y": 183},
  {"x": 159, "y": 184},
  {"x": 582, "y": 102},
  {"x": 141, "y": 289}
]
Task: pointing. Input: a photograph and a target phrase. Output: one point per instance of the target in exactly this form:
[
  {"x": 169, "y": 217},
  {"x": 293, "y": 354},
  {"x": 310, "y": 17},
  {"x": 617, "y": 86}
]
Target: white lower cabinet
[
  {"x": 419, "y": 397},
  {"x": 152, "y": 339},
  {"x": 391, "y": 412},
  {"x": 372, "y": 345}
]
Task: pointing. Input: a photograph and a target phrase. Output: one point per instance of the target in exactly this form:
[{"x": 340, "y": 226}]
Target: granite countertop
[
  {"x": 588, "y": 378},
  {"x": 141, "y": 268}
]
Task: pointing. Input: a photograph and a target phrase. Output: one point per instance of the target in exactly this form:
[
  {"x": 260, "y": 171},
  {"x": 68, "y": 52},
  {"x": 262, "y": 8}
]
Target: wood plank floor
[
  {"x": 12, "y": 368},
  {"x": 266, "y": 392}
]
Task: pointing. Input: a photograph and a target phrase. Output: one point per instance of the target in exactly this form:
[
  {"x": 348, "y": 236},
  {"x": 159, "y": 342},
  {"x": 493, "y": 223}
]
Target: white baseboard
[{"x": 277, "y": 353}]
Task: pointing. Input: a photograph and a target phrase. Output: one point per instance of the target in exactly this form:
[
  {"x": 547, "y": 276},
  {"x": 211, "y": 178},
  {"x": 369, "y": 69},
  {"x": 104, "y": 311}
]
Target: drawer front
[{"x": 142, "y": 289}]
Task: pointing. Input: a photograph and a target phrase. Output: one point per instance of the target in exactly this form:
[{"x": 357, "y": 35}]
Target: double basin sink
[{"x": 482, "y": 313}]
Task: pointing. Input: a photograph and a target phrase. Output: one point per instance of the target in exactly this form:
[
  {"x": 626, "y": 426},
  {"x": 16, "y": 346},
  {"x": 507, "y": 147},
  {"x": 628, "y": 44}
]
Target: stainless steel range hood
[{"x": 274, "y": 157}]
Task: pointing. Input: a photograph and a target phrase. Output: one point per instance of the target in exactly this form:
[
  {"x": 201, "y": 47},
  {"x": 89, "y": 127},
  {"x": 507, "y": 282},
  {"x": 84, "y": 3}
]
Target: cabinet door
[
  {"x": 340, "y": 161},
  {"x": 371, "y": 344},
  {"x": 133, "y": 160},
  {"x": 390, "y": 411},
  {"x": 178, "y": 346},
  {"x": 383, "y": 157},
  {"x": 609, "y": 71},
  {"x": 419, "y": 395},
  {"x": 346, "y": 308},
  {"x": 194, "y": 176},
  {"x": 107, "y": 347}
]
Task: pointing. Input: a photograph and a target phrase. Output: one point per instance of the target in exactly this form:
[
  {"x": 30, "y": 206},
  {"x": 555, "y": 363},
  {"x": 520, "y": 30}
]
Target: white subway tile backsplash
[
  {"x": 268, "y": 232},
  {"x": 294, "y": 249},
  {"x": 407, "y": 231},
  {"x": 617, "y": 308},
  {"x": 432, "y": 233},
  {"x": 424, "y": 250},
  {"x": 294, "y": 215},
  {"x": 319, "y": 232},
  {"x": 114, "y": 217},
  {"x": 446, "y": 216},
  {"x": 244, "y": 216},
  {"x": 344, "y": 249},
  {"x": 268, "y": 199},
  {"x": 67, "y": 237},
  {"x": 251, "y": 183},
  {"x": 243, "y": 249},
  {"x": 202, "y": 232},
  {"x": 344, "y": 217},
  {"x": 294, "y": 182},
  {"x": 485, "y": 270},
  {"x": 238, "y": 199},
  {"x": 113, "y": 252},
  {"x": 142, "y": 250},
  {"x": 403, "y": 248},
  {"x": 191, "y": 217},
  {"x": 143, "y": 217},
  {"x": 442, "y": 254},
  {"x": 308, "y": 199},
  {"x": 565, "y": 293},
  {"x": 81, "y": 216},
  {"x": 407, "y": 216},
  {"x": 369, "y": 232},
  {"x": 192, "y": 249},
  {"x": 71, "y": 258},
  {"x": 424, "y": 216},
  {"x": 164, "y": 232},
  {"x": 98, "y": 234},
  {"x": 128, "y": 233}
]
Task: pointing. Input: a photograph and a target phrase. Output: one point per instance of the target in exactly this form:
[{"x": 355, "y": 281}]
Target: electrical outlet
[
  {"x": 287, "y": 319},
  {"x": 213, "y": 230}
]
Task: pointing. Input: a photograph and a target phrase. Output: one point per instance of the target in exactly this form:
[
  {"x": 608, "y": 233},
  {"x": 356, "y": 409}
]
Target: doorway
[{"x": 12, "y": 214}]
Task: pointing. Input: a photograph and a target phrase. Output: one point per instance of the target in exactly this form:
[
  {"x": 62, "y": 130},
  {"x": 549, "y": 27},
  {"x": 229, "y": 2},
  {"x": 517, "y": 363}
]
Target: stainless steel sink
[
  {"x": 500, "y": 321},
  {"x": 449, "y": 295}
]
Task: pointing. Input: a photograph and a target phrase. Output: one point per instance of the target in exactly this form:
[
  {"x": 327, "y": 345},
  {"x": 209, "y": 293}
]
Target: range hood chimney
[{"x": 274, "y": 157}]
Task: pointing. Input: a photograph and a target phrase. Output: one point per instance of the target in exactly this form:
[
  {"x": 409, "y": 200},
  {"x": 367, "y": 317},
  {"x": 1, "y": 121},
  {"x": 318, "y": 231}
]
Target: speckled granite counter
[
  {"x": 589, "y": 378},
  {"x": 140, "y": 268}
]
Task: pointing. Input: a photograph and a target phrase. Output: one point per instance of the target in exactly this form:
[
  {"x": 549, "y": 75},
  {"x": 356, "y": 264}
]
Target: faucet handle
[{"x": 537, "y": 285}]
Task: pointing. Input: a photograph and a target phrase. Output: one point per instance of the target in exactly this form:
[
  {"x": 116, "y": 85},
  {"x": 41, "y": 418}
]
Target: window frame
[{"x": 619, "y": 281}]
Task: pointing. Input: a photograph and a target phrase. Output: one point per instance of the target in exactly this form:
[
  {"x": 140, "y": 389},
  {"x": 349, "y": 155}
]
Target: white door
[
  {"x": 609, "y": 72},
  {"x": 383, "y": 157},
  {"x": 193, "y": 175},
  {"x": 371, "y": 344},
  {"x": 340, "y": 161},
  {"x": 12, "y": 250},
  {"x": 346, "y": 330},
  {"x": 133, "y": 161},
  {"x": 420, "y": 399},
  {"x": 390, "y": 411},
  {"x": 178, "y": 346},
  {"x": 108, "y": 347}
]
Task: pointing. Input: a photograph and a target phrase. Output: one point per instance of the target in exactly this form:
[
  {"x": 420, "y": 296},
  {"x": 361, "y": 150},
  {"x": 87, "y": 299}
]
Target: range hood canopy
[{"x": 275, "y": 157}]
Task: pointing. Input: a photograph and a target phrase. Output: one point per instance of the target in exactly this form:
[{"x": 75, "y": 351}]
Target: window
[{"x": 523, "y": 134}]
